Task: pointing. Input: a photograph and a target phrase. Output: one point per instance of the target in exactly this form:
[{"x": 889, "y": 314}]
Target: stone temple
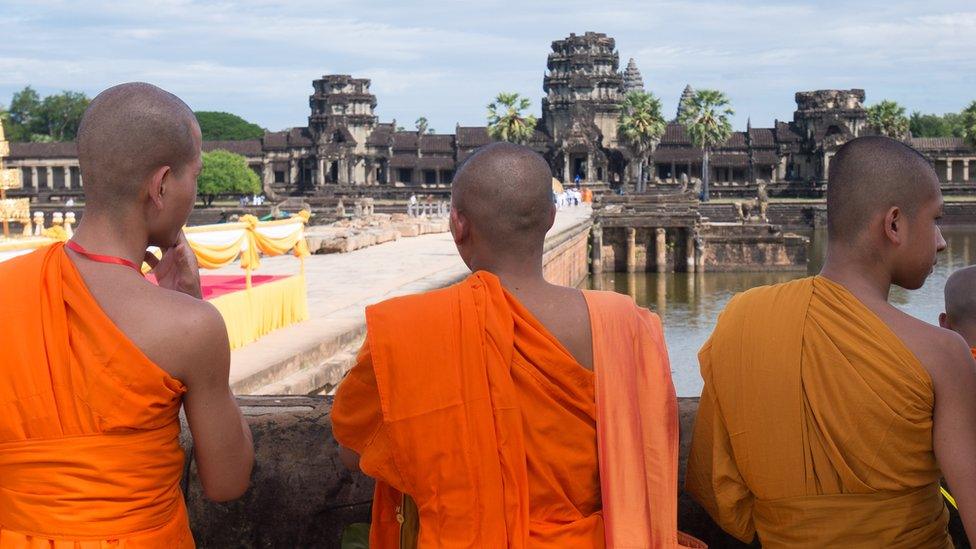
[{"x": 344, "y": 147}]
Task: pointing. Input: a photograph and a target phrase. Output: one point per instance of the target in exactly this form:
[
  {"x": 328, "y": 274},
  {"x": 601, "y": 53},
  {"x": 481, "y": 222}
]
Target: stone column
[
  {"x": 81, "y": 182},
  {"x": 589, "y": 167},
  {"x": 267, "y": 171},
  {"x": 780, "y": 171},
  {"x": 596, "y": 250},
  {"x": 566, "y": 176},
  {"x": 674, "y": 173},
  {"x": 690, "y": 250},
  {"x": 67, "y": 177},
  {"x": 948, "y": 170},
  {"x": 34, "y": 182},
  {"x": 826, "y": 171},
  {"x": 631, "y": 249},
  {"x": 965, "y": 170},
  {"x": 661, "y": 247},
  {"x": 293, "y": 172},
  {"x": 320, "y": 176},
  {"x": 50, "y": 177}
]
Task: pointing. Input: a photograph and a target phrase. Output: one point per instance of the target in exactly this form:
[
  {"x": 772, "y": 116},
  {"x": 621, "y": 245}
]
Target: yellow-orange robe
[
  {"x": 89, "y": 427},
  {"x": 815, "y": 425}
]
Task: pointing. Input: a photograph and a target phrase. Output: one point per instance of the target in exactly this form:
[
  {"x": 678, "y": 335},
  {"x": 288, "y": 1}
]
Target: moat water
[{"x": 689, "y": 304}]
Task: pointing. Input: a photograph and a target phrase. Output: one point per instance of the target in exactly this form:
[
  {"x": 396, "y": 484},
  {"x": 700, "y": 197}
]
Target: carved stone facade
[{"x": 345, "y": 145}]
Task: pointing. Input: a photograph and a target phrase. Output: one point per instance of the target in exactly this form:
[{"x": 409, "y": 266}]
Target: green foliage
[
  {"x": 506, "y": 121},
  {"x": 706, "y": 119},
  {"x": 223, "y": 126},
  {"x": 888, "y": 118},
  {"x": 53, "y": 118},
  {"x": 640, "y": 127},
  {"x": 226, "y": 173},
  {"x": 421, "y": 125},
  {"x": 933, "y": 125},
  {"x": 968, "y": 124},
  {"x": 355, "y": 536}
]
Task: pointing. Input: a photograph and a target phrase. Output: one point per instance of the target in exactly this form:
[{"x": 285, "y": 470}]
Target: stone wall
[
  {"x": 565, "y": 260},
  {"x": 302, "y": 496},
  {"x": 738, "y": 247}
]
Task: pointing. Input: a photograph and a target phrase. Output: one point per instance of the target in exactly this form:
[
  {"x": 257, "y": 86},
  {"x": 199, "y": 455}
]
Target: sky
[{"x": 447, "y": 60}]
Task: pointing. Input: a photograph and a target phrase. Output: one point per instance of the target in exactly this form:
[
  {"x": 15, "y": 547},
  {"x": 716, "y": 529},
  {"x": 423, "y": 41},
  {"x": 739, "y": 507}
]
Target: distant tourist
[
  {"x": 70, "y": 202},
  {"x": 960, "y": 305},
  {"x": 576, "y": 180},
  {"x": 412, "y": 205},
  {"x": 97, "y": 361},
  {"x": 509, "y": 411},
  {"x": 828, "y": 415}
]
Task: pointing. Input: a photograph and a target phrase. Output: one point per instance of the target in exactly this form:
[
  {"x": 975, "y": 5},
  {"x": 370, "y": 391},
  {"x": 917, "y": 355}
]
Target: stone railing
[{"x": 302, "y": 496}]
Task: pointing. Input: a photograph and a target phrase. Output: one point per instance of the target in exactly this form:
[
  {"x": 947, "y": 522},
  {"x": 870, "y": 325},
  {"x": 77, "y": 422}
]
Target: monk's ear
[
  {"x": 158, "y": 182},
  {"x": 552, "y": 217},
  {"x": 944, "y": 321},
  {"x": 894, "y": 225},
  {"x": 460, "y": 226}
]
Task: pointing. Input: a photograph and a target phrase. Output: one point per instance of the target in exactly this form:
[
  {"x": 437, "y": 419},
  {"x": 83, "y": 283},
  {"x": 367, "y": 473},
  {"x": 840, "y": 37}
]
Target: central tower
[{"x": 582, "y": 103}]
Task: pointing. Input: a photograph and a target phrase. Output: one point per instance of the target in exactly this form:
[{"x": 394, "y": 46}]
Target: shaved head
[
  {"x": 960, "y": 296},
  {"x": 505, "y": 192},
  {"x": 128, "y": 132},
  {"x": 868, "y": 176}
]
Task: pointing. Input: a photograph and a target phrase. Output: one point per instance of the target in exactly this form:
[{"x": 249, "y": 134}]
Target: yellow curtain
[{"x": 262, "y": 309}]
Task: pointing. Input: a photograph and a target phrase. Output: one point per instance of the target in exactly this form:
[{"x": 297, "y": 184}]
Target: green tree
[
  {"x": 640, "y": 128},
  {"x": 706, "y": 119},
  {"x": 59, "y": 116},
  {"x": 506, "y": 120},
  {"x": 225, "y": 173},
  {"x": 421, "y": 125},
  {"x": 968, "y": 124},
  {"x": 23, "y": 108},
  {"x": 888, "y": 118},
  {"x": 224, "y": 126}
]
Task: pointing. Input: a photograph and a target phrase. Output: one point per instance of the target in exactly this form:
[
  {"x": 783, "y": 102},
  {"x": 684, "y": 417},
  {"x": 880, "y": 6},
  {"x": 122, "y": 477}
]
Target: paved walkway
[{"x": 340, "y": 286}]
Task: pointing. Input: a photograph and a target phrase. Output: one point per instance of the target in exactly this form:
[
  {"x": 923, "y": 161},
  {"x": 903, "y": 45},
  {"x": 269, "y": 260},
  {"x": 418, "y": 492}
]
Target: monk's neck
[
  {"x": 868, "y": 280},
  {"x": 516, "y": 274},
  {"x": 112, "y": 235}
]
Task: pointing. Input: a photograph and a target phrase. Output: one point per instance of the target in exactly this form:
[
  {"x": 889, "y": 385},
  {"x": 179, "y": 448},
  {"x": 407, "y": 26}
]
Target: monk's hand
[{"x": 177, "y": 269}]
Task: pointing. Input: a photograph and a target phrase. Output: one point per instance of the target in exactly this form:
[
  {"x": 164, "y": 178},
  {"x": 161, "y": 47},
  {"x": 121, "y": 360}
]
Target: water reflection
[{"x": 690, "y": 303}]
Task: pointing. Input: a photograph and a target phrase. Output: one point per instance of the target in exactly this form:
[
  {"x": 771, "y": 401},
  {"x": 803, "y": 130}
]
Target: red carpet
[{"x": 218, "y": 285}]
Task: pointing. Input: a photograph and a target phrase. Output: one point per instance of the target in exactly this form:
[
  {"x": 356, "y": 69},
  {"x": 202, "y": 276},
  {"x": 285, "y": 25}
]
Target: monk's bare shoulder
[
  {"x": 192, "y": 334},
  {"x": 942, "y": 352}
]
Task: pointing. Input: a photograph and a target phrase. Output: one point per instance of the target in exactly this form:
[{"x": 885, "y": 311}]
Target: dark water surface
[{"x": 690, "y": 303}]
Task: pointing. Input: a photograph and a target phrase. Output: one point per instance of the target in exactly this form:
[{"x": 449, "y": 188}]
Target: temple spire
[
  {"x": 633, "y": 81},
  {"x": 686, "y": 97}
]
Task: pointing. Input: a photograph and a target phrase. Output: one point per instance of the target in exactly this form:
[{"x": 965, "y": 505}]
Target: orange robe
[
  {"x": 464, "y": 401},
  {"x": 815, "y": 425},
  {"x": 89, "y": 427}
]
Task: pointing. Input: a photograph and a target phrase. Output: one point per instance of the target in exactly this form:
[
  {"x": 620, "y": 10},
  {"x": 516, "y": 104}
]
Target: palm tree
[
  {"x": 640, "y": 127},
  {"x": 421, "y": 125},
  {"x": 968, "y": 116},
  {"x": 706, "y": 119},
  {"x": 888, "y": 118},
  {"x": 506, "y": 121}
]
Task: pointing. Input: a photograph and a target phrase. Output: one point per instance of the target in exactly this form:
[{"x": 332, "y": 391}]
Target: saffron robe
[
  {"x": 464, "y": 401},
  {"x": 89, "y": 426},
  {"x": 815, "y": 425}
]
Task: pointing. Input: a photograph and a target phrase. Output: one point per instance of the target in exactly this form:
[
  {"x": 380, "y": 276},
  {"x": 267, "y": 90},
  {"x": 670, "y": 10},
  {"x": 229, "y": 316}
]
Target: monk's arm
[
  {"x": 955, "y": 425},
  {"x": 222, "y": 443},
  {"x": 356, "y": 415}
]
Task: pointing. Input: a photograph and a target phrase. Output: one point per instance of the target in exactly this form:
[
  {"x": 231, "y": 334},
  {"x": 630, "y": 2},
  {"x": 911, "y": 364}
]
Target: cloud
[{"x": 446, "y": 60}]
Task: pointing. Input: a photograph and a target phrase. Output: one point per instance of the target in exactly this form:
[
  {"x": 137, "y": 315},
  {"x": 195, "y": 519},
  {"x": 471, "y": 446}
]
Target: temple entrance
[
  {"x": 579, "y": 168},
  {"x": 334, "y": 172}
]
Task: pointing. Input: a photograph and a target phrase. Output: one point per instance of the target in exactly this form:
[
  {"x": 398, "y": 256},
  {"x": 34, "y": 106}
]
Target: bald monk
[
  {"x": 97, "y": 360},
  {"x": 960, "y": 303},
  {"x": 506, "y": 411},
  {"x": 828, "y": 415}
]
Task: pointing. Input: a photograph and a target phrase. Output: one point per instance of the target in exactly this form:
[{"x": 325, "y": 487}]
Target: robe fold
[
  {"x": 89, "y": 426},
  {"x": 463, "y": 400},
  {"x": 815, "y": 425}
]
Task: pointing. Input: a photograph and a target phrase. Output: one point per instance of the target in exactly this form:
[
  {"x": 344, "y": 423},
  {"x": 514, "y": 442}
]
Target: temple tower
[
  {"x": 686, "y": 96},
  {"x": 579, "y": 112},
  {"x": 633, "y": 81},
  {"x": 340, "y": 122}
]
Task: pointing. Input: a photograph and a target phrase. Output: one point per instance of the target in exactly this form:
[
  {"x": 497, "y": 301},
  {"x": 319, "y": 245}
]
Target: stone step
[{"x": 319, "y": 378}]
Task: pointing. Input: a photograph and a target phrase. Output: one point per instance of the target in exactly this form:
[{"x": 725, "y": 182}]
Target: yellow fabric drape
[
  {"x": 262, "y": 309},
  {"x": 252, "y": 242}
]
